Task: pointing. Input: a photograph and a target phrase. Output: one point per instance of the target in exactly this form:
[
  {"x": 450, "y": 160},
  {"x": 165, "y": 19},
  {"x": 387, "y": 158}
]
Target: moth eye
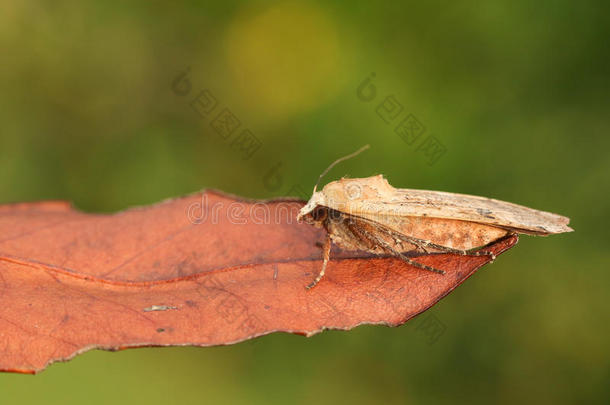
[
  {"x": 319, "y": 214},
  {"x": 336, "y": 216}
]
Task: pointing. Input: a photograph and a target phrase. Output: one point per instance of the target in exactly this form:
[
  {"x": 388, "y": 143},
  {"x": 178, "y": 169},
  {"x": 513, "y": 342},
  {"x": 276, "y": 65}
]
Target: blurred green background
[{"x": 516, "y": 94}]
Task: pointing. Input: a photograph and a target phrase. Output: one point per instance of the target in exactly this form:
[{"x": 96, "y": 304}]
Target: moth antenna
[{"x": 351, "y": 155}]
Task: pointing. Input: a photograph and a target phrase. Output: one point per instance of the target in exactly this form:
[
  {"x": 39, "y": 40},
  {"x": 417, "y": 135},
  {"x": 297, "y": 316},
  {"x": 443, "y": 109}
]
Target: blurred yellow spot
[{"x": 286, "y": 59}]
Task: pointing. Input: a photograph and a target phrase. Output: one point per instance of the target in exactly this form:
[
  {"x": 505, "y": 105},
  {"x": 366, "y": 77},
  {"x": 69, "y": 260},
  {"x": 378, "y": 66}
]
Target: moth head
[
  {"x": 313, "y": 211},
  {"x": 320, "y": 216}
]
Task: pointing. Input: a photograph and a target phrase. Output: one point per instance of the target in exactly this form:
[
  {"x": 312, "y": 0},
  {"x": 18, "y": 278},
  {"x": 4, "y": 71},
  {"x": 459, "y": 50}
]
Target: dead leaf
[{"x": 169, "y": 274}]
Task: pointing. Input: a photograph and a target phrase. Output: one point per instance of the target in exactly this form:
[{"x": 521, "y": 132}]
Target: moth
[{"x": 370, "y": 215}]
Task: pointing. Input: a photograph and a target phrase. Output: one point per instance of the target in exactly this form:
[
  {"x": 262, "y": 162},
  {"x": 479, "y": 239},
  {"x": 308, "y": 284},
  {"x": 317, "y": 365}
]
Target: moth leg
[
  {"x": 447, "y": 249},
  {"x": 359, "y": 234},
  {"x": 418, "y": 243},
  {"x": 388, "y": 248},
  {"x": 326, "y": 252},
  {"x": 374, "y": 241},
  {"x": 421, "y": 243},
  {"x": 399, "y": 241},
  {"x": 483, "y": 253}
]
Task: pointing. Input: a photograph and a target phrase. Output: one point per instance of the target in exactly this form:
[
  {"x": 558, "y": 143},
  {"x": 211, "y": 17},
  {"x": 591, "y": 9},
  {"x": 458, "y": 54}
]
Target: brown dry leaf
[{"x": 169, "y": 274}]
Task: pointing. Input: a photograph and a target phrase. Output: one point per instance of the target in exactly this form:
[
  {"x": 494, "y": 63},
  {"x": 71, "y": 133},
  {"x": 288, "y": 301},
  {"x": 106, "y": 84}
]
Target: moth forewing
[
  {"x": 375, "y": 197},
  {"x": 369, "y": 214}
]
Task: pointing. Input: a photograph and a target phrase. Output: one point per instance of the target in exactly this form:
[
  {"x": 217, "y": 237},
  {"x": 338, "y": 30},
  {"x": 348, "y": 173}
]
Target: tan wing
[{"x": 373, "y": 197}]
